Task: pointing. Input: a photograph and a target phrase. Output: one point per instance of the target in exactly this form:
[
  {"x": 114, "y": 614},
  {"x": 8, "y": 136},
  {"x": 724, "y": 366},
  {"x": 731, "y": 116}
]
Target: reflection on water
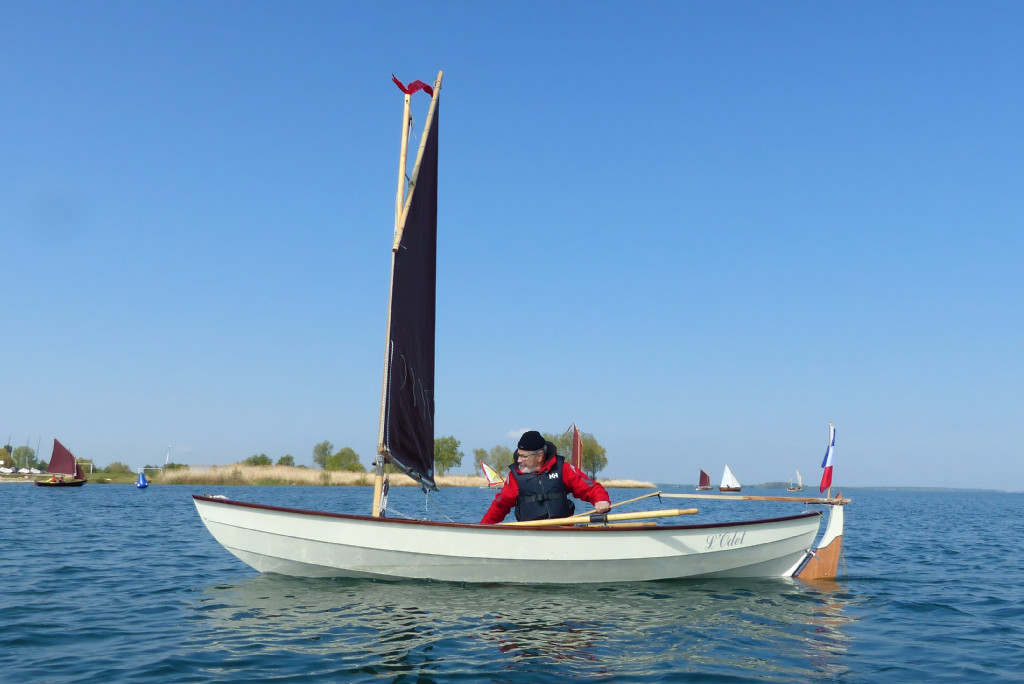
[
  {"x": 140, "y": 592},
  {"x": 776, "y": 630}
]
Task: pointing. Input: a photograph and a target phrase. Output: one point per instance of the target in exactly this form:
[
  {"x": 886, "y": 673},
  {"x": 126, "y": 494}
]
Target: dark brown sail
[
  {"x": 408, "y": 420},
  {"x": 62, "y": 462}
]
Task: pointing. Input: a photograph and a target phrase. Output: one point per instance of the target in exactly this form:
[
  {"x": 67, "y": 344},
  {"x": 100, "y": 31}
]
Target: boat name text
[{"x": 725, "y": 540}]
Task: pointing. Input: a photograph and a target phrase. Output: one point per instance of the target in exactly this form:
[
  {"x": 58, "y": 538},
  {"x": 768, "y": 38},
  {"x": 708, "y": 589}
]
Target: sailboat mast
[
  {"x": 378, "y": 463},
  {"x": 401, "y": 208}
]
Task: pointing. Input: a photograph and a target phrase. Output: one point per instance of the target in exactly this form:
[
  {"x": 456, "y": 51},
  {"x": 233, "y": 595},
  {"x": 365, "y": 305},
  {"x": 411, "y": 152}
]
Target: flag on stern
[{"x": 826, "y": 475}]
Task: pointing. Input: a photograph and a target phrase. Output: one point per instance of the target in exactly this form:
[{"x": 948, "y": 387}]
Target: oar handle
[
  {"x": 838, "y": 499},
  {"x": 619, "y": 503},
  {"x": 603, "y": 518}
]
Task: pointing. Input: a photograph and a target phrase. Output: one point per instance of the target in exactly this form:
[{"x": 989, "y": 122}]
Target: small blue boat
[{"x": 142, "y": 483}]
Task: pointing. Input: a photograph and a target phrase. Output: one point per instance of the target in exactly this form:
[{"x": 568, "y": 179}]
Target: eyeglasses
[{"x": 520, "y": 455}]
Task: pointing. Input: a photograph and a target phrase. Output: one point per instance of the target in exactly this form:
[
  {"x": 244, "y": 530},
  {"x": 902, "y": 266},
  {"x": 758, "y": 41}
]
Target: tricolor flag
[{"x": 826, "y": 476}]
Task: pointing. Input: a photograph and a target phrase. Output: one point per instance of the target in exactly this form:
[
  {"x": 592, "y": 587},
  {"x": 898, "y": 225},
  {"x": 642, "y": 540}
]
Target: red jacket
[{"x": 581, "y": 486}]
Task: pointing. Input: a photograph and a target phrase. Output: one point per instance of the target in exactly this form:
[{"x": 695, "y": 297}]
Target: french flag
[{"x": 826, "y": 476}]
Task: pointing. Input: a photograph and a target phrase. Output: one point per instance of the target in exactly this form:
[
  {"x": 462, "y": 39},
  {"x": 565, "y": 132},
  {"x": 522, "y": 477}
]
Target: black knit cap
[{"x": 531, "y": 441}]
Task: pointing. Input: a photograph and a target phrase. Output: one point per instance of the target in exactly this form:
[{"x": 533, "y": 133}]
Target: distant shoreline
[{"x": 347, "y": 479}]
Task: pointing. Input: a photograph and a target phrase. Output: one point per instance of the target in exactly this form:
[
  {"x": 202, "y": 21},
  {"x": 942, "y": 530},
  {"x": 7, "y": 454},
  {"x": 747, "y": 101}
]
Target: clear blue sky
[{"x": 700, "y": 230}]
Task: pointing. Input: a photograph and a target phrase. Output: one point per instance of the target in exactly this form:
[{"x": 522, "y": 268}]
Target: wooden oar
[
  {"x": 598, "y": 518},
  {"x": 734, "y": 497},
  {"x": 619, "y": 503}
]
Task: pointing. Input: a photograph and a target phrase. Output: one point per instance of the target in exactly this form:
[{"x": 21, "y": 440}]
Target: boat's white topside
[{"x": 320, "y": 544}]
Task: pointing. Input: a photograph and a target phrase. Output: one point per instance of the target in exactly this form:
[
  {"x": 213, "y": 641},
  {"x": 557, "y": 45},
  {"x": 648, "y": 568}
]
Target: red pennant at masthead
[{"x": 413, "y": 87}]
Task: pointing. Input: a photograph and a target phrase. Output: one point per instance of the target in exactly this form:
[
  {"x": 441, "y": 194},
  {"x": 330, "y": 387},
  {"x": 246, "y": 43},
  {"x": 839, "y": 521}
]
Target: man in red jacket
[{"x": 539, "y": 485}]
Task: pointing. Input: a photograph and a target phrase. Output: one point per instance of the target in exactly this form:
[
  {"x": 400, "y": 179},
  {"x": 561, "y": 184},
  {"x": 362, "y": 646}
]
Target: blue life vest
[{"x": 542, "y": 495}]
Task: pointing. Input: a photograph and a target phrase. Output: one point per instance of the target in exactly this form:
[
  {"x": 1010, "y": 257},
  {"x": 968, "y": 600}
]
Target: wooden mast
[{"x": 400, "y": 209}]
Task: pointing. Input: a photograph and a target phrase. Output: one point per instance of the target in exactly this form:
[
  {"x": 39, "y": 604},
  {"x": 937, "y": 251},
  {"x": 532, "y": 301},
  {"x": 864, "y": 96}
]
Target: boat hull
[
  {"x": 730, "y": 489},
  {"x": 316, "y": 544},
  {"x": 65, "y": 483}
]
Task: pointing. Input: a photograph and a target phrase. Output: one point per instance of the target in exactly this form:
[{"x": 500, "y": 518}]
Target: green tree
[
  {"x": 258, "y": 460},
  {"x": 562, "y": 442},
  {"x": 25, "y": 457},
  {"x": 286, "y": 460},
  {"x": 479, "y": 456},
  {"x": 593, "y": 460},
  {"x": 446, "y": 454},
  {"x": 321, "y": 452},
  {"x": 500, "y": 457},
  {"x": 345, "y": 459},
  {"x": 117, "y": 467}
]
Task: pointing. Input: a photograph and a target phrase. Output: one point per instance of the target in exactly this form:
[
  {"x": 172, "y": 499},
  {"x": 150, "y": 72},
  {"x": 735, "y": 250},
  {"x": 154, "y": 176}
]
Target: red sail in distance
[
  {"x": 62, "y": 462},
  {"x": 577, "y": 448}
]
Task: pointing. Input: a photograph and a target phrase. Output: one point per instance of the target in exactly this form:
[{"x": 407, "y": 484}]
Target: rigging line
[
  {"x": 392, "y": 513},
  {"x": 428, "y": 502}
]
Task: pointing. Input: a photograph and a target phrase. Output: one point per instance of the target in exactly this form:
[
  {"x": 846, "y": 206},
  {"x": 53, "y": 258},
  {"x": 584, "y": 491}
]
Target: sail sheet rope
[{"x": 427, "y": 504}]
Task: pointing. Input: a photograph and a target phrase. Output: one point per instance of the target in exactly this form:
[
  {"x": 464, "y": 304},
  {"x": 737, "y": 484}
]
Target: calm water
[{"x": 112, "y": 583}]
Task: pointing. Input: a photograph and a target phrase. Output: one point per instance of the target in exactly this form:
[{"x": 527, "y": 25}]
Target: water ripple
[{"x": 135, "y": 590}]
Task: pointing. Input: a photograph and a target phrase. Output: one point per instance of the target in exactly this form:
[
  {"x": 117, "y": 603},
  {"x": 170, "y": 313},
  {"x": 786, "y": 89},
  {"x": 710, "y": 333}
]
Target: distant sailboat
[
  {"x": 577, "y": 447},
  {"x": 729, "y": 482},
  {"x": 493, "y": 478},
  {"x": 64, "y": 470},
  {"x": 142, "y": 482},
  {"x": 799, "y": 484},
  {"x": 704, "y": 482}
]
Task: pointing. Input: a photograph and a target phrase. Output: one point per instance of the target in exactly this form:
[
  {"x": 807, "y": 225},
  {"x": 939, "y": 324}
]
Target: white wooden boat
[
  {"x": 318, "y": 544},
  {"x": 586, "y": 548}
]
